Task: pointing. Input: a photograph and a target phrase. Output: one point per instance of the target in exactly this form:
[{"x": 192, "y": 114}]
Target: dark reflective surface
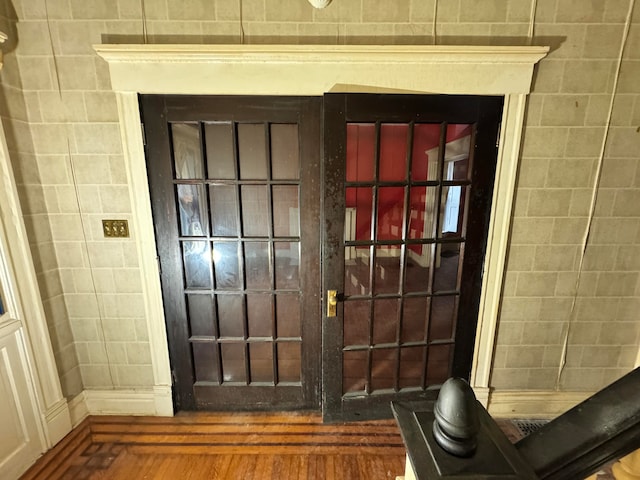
[
  {"x": 255, "y": 211},
  {"x": 220, "y": 150},
  {"x": 252, "y": 150},
  {"x": 192, "y": 208},
  {"x": 233, "y": 362},
  {"x": 197, "y": 264},
  {"x": 187, "y": 151},
  {"x": 224, "y": 210},
  {"x": 285, "y": 160},
  {"x": 227, "y": 269}
]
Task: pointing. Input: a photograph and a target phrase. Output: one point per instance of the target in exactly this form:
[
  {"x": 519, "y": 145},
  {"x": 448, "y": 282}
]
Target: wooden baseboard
[{"x": 533, "y": 403}]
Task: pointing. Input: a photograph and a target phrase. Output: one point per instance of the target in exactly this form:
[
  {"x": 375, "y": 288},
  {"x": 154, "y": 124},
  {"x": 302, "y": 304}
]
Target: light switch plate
[{"x": 115, "y": 228}]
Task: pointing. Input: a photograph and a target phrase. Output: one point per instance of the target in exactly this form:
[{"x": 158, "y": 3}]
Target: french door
[
  {"x": 235, "y": 183},
  {"x": 251, "y": 220},
  {"x": 407, "y": 198}
]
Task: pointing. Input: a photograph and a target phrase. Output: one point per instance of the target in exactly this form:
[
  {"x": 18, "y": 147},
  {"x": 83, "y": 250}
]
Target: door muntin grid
[
  {"x": 402, "y": 268},
  {"x": 237, "y": 196}
]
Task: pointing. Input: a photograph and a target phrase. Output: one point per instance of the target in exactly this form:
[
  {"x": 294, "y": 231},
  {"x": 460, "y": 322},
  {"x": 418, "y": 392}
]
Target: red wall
[{"x": 361, "y": 144}]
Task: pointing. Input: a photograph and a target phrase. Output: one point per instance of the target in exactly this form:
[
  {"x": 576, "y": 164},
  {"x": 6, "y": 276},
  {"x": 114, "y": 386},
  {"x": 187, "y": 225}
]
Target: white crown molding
[{"x": 317, "y": 69}]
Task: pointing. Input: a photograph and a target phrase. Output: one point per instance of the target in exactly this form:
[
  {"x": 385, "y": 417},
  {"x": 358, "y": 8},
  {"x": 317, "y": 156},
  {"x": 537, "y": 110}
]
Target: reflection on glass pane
[
  {"x": 219, "y": 141},
  {"x": 288, "y": 315},
  {"x": 385, "y": 320},
  {"x": 414, "y": 319},
  {"x": 230, "y": 315},
  {"x": 201, "y": 315},
  {"x": 422, "y": 207},
  {"x": 438, "y": 364},
  {"x": 356, "y": 271},
  {"x": 446, "y": 277},
  {"x": 287, "y": 259},
  {"x": 354, "y": 371},
  {"x": 225, "y": 264},
  {"x": 390, "y": 207},
  {"x": 187, "y": 153},
  {"x": 261, "y": 362},
  {"x": 457, "y": 151},
  {"x": 424, "y": 162},
  {"x": 289, "y": 362},
  {"x": 393, "y": 152},
  {"x": 233, "y": 366},
  {"x": 224, "y": 210},
  {"x": 286, "y": 211},
  {"x": 411, "y": 367},
  {"x": 255, "y": 211},
  {"x": 442, "y": 319},
  {"x": 359, "y": 204},
  {"x": 356, "y": 322},
  {"x": 205, "y": 362},
  {"x": 361, "y": 148},
  {"x": 383, "y": 368},
  {"x": 193, "y": 209},
  {"x": 252, "y": 151},
  {"x": 452, "y": 211},
  {"x": 256, "y": 261},
  {"x": 285, "y": 161},
  {"x": 259, "y": 312},
  {"x": 417, "y": 275},
  {"x": 197, "y": 264},
  {"x": 387, "y": 270}
]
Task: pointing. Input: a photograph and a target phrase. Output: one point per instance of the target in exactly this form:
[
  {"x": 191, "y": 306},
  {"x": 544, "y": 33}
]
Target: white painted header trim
[{"x": 318, "y": 69}]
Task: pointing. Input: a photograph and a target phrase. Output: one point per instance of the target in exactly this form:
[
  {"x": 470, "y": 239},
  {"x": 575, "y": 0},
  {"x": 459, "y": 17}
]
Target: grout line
[
  {"x": 532, "y": 21},
  {"x": 144, "y": 22},
  {"x": 594, "y": 196},
  {"x": 241, "y": 21},
  {"x": 85, "y": 240},
  {"x": 435, "y": 22}
]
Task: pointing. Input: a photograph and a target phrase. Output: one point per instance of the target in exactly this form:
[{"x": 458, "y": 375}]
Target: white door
[{"x": 20, "y": 435}]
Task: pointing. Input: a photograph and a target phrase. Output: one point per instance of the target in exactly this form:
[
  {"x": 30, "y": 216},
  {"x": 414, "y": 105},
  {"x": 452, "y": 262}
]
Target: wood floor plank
[{"x": 226, "y": 447}]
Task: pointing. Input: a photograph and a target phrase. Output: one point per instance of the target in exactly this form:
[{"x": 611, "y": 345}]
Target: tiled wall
[{"x": 61, "y": 120}]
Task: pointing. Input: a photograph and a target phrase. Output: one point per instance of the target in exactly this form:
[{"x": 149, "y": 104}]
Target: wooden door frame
[{"x": 315, "y": 70}]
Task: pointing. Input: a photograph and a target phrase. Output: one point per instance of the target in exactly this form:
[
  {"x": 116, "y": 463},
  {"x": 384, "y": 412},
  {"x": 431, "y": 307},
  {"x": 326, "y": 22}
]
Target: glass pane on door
[
  {"x": 404, "y": 247},
  {"x": 241, "y": 275}
]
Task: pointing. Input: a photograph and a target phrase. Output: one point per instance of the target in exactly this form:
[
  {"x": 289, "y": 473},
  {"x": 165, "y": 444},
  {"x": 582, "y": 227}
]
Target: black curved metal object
[
  {"x": 603, "y": 428},
  {"x": 456, "y": 425}
]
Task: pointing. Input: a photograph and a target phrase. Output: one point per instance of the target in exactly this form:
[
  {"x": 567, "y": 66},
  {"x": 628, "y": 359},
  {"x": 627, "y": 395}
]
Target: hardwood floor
[{"x": 224, "y": 446}]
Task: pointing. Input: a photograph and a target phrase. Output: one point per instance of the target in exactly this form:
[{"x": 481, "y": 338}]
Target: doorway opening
[{"x": 236, "y": 193}]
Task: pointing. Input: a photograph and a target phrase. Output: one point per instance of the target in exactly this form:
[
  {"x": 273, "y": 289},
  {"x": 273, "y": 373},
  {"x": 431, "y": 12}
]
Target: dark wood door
[
  {"x": 235, "y": 188},
  {"x": 407, "y": 200}
]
